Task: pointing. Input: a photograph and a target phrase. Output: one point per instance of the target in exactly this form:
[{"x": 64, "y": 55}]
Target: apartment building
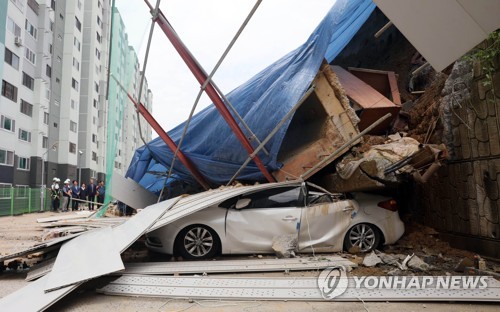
[
  {"x": 54, "y": 104},
  {"x": 125, "y": 79}
]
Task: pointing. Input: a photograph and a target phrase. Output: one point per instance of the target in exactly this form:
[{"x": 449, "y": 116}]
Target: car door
[
  {"x": 324, "y": 224},
  {"x": 269, "y": 213}
]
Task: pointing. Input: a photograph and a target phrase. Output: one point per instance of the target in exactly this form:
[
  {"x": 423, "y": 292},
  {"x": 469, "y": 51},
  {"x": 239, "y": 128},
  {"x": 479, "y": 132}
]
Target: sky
[{"x": 207, "y": 27}]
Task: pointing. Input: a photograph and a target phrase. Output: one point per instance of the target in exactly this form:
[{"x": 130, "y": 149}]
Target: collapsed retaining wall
[{"x": 463, "y": 200}]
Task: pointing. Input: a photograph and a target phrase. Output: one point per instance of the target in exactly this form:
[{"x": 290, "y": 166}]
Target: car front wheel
[
  {"x": 197, "y": 242},
  {"x": 363, "y": 235}
]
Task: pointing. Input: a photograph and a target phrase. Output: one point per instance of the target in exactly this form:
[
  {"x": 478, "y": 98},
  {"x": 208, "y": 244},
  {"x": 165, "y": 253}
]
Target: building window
[
  {"x": 23, "y": 163},
  {"x": 74, "y": 84},
  {"x": 78, "y": 24},
  {"x": 76, "y": 64},
  {"x": 94, "y": 138},
  {"x": 46, "y": 118},
  {"x": 95, "y": 103},
  {"x": 99, "y": 22},
  {"x": 50, "y": 48},
  {"x": 6, "y": 157},
  {"x": 45, "y": 142},
  {"x": 47, "y": 94},
  {"x": 24, "y": 135},
  {"x": 53, "y": 4},
  {"x": 11, "y": 58},
  {"x": 30, "y": 29},
  {"x": 96, "y": 87},
  {"x": 72, "y": 148},
  {"x": 73, "y": 105},
  {"x": 13, "y": 27},
  {"x": 26, "y": 108},
  {"x": 94, "y": 156},
  {"x": 73, "y": 127},
  {"x": 61, "y": 16},
  {"x": 48, "y": 70},
  {"x": 93, "y": 120},
  {"x": 7, "y": 123},
  {"x": 29, "y": 55},
  {"x": 98, "y": 54},
  {"x": 76, "y": 43},
  {"x": 51, "y": 25},
  {"x": 9, "y": 91},
  {"x": 28, "y": 82},
  {"x": 98, "y": 37}
]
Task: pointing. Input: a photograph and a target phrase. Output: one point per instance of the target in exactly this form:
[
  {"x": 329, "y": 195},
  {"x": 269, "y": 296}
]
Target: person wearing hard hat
[
  {"x": 55, "y": 194},
  {"x": 66, "y": 193}
]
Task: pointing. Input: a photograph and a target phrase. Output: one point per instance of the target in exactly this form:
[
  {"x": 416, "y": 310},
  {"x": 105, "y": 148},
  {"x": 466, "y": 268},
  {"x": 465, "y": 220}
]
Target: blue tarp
[{"x": 262, "y": 102}]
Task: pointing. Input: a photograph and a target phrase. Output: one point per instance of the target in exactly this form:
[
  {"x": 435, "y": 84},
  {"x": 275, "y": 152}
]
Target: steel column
[
  {"x": 202, "y": 77},
  {"x": 170, "y": 143}
]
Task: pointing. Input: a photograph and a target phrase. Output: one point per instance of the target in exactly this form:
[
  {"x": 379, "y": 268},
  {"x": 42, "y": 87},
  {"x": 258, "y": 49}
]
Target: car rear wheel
[
  {"x": 197, "y": 242},
  {"x": 365, "y": 236}
]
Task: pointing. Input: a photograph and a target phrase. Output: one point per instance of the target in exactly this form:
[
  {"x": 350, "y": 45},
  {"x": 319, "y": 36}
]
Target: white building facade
[{"x": 54, "y": 104}]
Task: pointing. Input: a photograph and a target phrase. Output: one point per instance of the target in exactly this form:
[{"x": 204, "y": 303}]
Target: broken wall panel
[
  {"x": 324, "y": 122},
  {"x": 367, "y": 101}
]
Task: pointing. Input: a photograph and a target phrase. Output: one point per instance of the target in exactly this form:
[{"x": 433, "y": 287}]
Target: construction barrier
[{"x": 20, "y": 200}]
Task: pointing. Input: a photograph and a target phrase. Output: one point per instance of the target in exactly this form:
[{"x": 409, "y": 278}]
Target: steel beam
[
  {"x": 170, "y": 143},
  {"x": 212, "y": 93}
]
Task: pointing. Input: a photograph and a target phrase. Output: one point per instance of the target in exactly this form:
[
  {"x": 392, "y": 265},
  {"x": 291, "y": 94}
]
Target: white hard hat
[
  {"x": 54, "y": 179},
  {"x": 67, "y": 181},
  {"x": 58, "y": 180}
]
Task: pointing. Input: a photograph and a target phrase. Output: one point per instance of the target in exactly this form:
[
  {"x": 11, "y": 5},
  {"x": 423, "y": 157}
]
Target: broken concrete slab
[
  {"x": 323, "y": 123},
  {"x": 418, "y": 264},
  {"x": 371, "y": 260}
]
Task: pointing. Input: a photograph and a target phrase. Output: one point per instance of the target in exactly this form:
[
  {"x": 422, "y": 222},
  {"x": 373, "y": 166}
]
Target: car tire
[
  {"x": 197, "y": 241},
  {"x": 364, "y": 235}
]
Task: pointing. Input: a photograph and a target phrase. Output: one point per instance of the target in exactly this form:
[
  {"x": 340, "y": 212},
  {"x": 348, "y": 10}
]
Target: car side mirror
[{"x": 242, "y": 203}]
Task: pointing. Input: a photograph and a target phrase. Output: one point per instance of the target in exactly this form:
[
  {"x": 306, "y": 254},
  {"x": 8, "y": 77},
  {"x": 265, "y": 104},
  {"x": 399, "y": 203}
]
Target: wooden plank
[{"x": 360, "y": 92}]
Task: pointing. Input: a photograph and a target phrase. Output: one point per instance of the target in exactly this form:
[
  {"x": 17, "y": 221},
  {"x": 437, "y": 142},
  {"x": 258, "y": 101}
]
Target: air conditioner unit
[{"x": 18, "y": 41}]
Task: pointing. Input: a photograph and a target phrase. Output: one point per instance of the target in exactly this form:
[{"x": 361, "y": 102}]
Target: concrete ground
[{"x": 18, "y": 232}]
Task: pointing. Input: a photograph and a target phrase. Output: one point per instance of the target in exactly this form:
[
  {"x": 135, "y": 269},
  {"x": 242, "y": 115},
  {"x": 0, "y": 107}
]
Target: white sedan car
[{"x": 248, "y": 222}]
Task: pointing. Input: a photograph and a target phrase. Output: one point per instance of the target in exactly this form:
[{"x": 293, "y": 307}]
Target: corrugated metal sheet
[
  {"x": 230, "y": 266},
  {"x": 292, "y": 288}
]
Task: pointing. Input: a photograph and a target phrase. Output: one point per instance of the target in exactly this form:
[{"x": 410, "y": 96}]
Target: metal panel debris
[
  {"x": 87, "y": 256},
  {"x": 73, "y": 264},
  {"x": 230, "y": 266},
  {"x": 76, "y": 215},
  {"x": 130, "y": 192},
  {"x": 33, "y": 297},
  {"x": 443, "y": 31},
  {"x": 291, "y": 288}
]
